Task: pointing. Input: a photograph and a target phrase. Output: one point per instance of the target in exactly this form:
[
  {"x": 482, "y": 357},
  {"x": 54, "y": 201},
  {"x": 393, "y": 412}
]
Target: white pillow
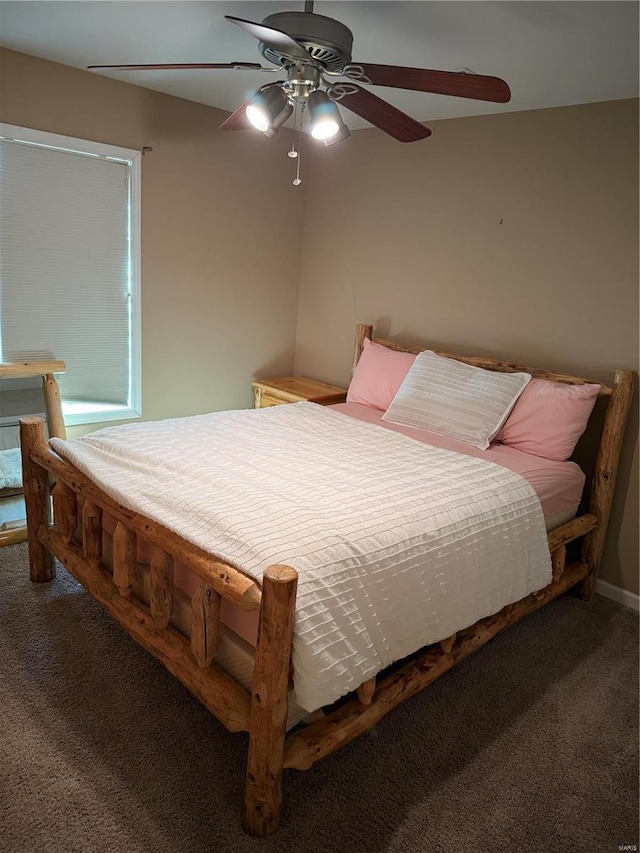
[{"x": 451, "y": 398}]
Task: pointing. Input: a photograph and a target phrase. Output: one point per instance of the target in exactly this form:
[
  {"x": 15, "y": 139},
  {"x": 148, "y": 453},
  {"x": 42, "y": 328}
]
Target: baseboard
[{"x": 616, "y": 593}]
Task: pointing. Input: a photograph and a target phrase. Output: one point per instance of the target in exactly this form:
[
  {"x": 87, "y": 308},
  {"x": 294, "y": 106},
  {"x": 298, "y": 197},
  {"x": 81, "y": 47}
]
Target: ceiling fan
[{"x": 315, "y": 52}]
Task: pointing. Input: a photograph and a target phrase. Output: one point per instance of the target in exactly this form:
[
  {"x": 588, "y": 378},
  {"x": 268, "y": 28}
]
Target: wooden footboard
[{"x": 75, "y": 536}]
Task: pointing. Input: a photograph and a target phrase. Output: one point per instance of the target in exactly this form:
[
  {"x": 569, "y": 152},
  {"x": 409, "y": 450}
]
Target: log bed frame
[{"x": 74, "y": 535}]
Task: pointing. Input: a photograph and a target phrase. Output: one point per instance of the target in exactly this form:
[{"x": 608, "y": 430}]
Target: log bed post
[
  {"x": 53, "y": 406},
  {"x": 269, "y": 702},
  {"x": 35, "y": 481},
  {"x": 604, "y": 476}
]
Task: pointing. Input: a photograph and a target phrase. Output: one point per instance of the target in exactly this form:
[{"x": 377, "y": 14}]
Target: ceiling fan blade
[
  {"x": 237, "y": 66},
  {"x": 380, "y": 113},
  {"x": 460, "y": 84},
  {"x": 275, "y": 39},
  {"x": 238, "y": 119}
]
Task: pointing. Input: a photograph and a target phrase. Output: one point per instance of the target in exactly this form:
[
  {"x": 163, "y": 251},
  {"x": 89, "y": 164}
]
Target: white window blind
[{"x": 68, "y": 267}]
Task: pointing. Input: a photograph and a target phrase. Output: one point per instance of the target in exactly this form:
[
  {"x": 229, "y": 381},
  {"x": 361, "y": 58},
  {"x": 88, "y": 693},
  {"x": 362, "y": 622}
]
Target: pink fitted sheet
[{"x": 559, "y": 486}]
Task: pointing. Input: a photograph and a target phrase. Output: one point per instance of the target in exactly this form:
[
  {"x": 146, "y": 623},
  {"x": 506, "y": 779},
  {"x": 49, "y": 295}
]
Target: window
[{"x": 70, "y": 267}]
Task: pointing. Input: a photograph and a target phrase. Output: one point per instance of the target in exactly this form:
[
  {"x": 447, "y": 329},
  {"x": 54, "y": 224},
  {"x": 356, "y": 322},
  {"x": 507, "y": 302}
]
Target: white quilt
[{"x": 397, "y": 544}]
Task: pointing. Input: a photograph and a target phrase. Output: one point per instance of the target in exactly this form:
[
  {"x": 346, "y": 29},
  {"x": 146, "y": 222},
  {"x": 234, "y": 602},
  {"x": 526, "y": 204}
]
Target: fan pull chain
[
  {"x": 293, "y": 153},
  {"x": 297, "y": 126}
]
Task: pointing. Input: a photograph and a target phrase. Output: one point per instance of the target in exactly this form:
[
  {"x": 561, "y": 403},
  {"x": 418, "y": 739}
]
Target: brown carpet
[{"x": 530, "y": 746}]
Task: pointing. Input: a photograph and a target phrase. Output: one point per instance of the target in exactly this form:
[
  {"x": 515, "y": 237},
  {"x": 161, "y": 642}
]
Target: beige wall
[
  {"x": 219, "y": 263},
  {"x": 511, "y": 235},
  {"x": 514, "y": 236}
]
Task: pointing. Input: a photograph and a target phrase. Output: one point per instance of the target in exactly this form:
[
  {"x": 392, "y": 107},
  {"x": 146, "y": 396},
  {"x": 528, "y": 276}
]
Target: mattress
[{"x": 383, "y": 530}]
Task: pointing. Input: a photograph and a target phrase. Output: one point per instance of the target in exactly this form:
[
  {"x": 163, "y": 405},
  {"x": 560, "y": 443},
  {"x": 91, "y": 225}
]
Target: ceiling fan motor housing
[{"x": 326, "y": 40}]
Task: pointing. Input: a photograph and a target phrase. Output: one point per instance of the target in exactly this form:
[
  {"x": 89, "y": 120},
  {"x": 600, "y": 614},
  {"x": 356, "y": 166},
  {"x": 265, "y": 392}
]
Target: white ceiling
[{"x": 550, "y": 53}]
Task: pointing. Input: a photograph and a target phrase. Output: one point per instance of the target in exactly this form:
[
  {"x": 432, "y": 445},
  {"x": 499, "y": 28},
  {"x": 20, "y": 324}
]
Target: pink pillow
[
  {"x": 378, "y": 375},
  {"x": 549, "y": 418}
]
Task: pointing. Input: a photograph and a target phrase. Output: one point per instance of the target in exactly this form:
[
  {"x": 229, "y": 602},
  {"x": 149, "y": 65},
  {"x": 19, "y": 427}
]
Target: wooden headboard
[{"x": 363, "y": 331}]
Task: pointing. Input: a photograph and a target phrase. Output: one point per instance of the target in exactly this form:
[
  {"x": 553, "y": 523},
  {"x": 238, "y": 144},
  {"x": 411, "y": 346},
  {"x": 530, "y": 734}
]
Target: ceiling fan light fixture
[
  {"x": 268, "y": 110},
  {"x": 325, "y": 119},
  {"x": 343, "y": 133},
  {"x": 258, "y": 117},
  {"x": 324, "y": 129}
]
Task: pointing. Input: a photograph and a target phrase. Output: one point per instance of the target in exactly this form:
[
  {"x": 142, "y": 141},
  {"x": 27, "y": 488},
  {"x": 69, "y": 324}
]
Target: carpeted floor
[{"x": 530, "y": 746}]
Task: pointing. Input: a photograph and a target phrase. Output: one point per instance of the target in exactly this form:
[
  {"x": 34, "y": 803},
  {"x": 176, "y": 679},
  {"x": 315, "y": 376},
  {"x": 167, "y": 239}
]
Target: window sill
[{"x": 76, "y": 413}]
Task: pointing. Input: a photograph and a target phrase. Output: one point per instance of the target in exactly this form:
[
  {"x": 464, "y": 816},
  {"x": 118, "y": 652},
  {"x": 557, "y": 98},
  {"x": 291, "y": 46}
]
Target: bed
[{"x": 383, "y": 588}]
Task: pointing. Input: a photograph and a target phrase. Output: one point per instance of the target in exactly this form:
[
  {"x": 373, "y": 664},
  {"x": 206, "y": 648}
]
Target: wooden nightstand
[{"x": 294, "y": 389}]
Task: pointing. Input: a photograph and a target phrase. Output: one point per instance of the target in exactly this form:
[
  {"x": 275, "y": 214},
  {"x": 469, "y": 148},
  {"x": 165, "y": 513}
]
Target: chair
[{"x": 10, "y": 465}]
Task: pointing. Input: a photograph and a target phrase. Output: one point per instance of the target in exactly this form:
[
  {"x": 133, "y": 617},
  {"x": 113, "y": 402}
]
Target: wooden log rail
[{"x": 305, "y": 747}]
